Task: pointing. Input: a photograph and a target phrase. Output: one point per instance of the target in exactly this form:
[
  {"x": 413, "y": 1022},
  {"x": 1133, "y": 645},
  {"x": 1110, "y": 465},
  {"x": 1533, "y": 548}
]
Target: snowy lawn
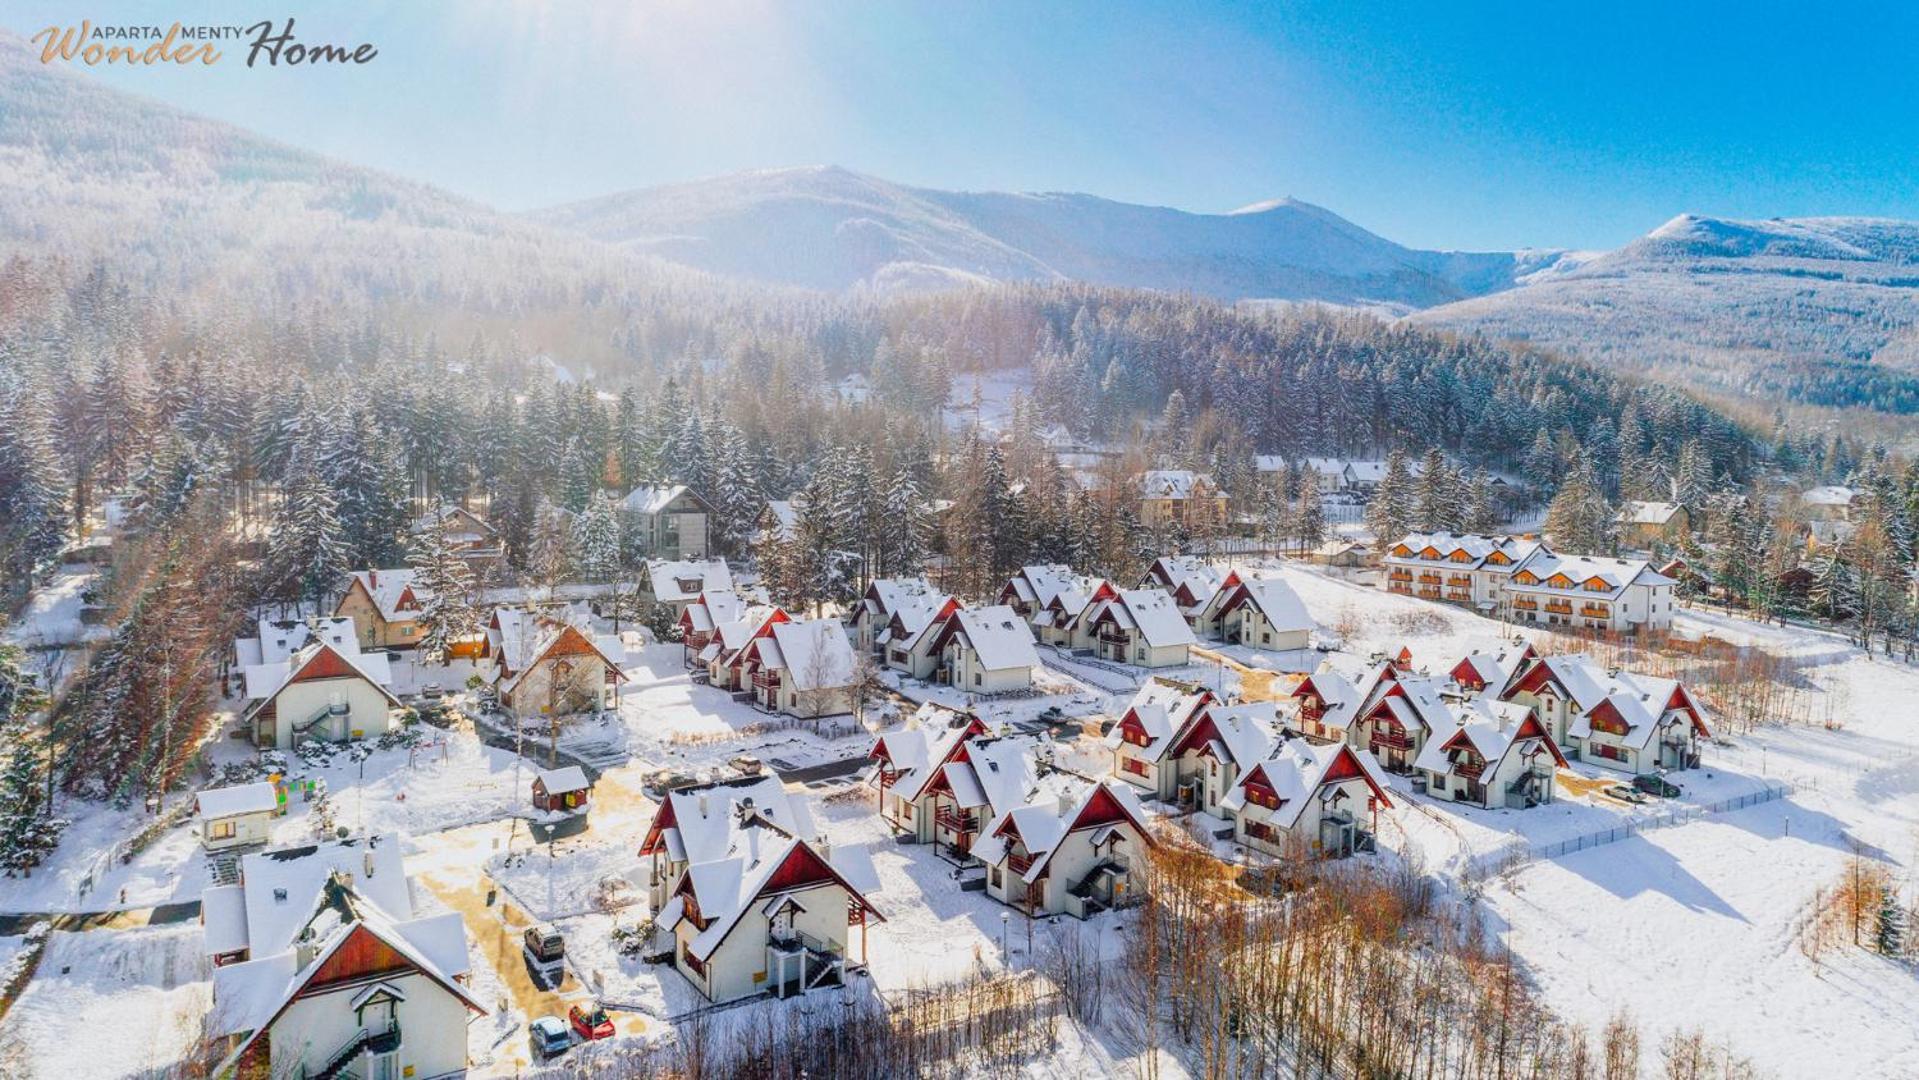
[{"x": 113, "y": 1003}]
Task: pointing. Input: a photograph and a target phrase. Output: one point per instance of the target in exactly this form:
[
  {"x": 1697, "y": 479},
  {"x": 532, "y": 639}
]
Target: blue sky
[{"x": 1478, "y": 126}]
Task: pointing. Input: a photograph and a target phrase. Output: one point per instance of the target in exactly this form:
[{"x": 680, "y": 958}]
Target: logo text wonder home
[{"x": 181, "y": 44}]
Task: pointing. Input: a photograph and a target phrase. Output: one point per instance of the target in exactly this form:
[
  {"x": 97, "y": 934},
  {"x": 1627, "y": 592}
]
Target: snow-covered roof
[
  {"x": 729, "y": 887},
  {"x": 1038, "y": 584},
  {"x": 282, "y": 887},
  {"x": 1275, "y": 600},
  {"x": 548, "y": 637},
  {"x": 714, "y": 607},
  {"x": 255, "y": 798},
  {"x": 679, "y": 581},
  {"x": 706, "y": 822},
  {"x": 652, "y": 498},
  {"x": 1200, "y": 578},
  {"x": 817, "y": 655},
  {"x": 280, "y": 638},
  {"x": 1490, "y": 727},
  {"x": 1174, "y": 484},
  {"x": 463, "y": 525},
  {"x": 1155, "y": 615},
  {"x": 562, "y": 780},
  {"x": 388, "y": 588},
  {"x": 1161, "y": 710},
  {"x": 999, "y": 636},
  {"x": 885, "y": 594},
  {"x": 1829, "y": 495},
  {"x": 1245, "y": 732},
  {"x": 1477, "y": 548},
  {"x": 735, "y": 635},
  {"x": 913, "y": 614},
  {"x": 932, "y": 737},
  {"x": 264, "y": 681},
  {"x": 1297, "y": 770},
  {"x": 1641, "y": 512},
  {"x": 1494, "y": 670}
]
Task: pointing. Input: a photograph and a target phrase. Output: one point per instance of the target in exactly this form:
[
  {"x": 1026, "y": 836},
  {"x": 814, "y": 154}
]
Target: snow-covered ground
[{"x": 113, "y": 1003}]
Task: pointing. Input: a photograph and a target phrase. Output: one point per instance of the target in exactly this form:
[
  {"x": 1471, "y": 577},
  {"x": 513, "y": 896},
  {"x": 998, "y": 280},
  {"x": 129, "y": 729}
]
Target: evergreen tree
[
  {"x": 1309, "y": 512},
  {"x": 596, "y": 540},
  {"x": 548, "y": 560},
  {"x": 444, "y": 582},
  {"x": 1835, "y": 590},
  {"x": 1392, "y": 513},
  {"x": 903, "y": 548},
  {"x": 1580, "y": 520},
  {"x": 308, "y": 551},
  {"x": 1890, "y": 932},
  {"x": 1541, "y": 464},
  {"x": 1482, "y": 505}
]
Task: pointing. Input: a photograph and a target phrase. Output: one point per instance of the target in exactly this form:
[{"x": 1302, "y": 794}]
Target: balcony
[
  {"x": 1470, "y": 768},
  {"x": 1395, "y": 739},
  {"x": 1019, "y": 864},
  {"x": 1400, "y": 575},
  {"x": 889, "y": 777},
  {"x": 1559, "y": 607},
  {"x": 1524, "y": 604},
  {"x": 1430, "y": 578},
  {"x": 955, "y": 820},
  {"x": 1595, "y": 611}
]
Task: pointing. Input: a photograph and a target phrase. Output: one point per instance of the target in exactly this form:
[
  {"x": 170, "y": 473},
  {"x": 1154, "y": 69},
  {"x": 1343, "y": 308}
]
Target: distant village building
[
  {"x": 666, "y": 521},
  {"x": 1342, "y": 554},
  {"x": 324, "y": 968},
  {"x": 469, "y": 534},
  {"x": 1525, "y": 581},
  {"x": 1646, "y": 524},
  {"x": 675, "y": 583},
  {"x": 1180, "y": 497},
  {"x": 1830, "y": 503}
]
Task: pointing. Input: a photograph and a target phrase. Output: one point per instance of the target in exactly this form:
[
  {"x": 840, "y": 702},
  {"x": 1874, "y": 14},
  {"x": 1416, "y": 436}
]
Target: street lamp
[{"x": 1004, "y": 918}]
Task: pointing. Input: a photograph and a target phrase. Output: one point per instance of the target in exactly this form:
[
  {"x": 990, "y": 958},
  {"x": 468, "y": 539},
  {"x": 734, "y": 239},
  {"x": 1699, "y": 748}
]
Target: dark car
[
  {"x": 590, "y": 1024},
  {"x": 550, "y": 1037},
  {"x": 1657, "y": 785}
]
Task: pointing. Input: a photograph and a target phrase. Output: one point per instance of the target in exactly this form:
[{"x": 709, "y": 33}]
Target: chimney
[
  {"x": 367, "y": 862},
  {"x": 373, "y": 578},
  {"x": 702, "y": 804}
]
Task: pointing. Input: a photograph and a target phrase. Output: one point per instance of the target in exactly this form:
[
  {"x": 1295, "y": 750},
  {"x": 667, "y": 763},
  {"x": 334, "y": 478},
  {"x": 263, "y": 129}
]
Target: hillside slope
[
  {"x": 1823, "y": 311},
  {"x": 829, "y": 228}
]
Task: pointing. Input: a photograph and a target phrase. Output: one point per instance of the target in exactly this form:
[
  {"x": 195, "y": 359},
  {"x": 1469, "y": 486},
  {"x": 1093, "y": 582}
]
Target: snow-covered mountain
[
  {"x": 829, "y": 228},
  {"x": 1818, "y": 310}
]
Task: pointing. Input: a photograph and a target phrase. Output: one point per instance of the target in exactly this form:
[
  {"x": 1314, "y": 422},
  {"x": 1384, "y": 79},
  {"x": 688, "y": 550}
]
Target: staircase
[{"x": 361, "y": 1042}]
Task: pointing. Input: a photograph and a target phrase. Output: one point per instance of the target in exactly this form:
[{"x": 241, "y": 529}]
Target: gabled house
[
  {"x": 1033, "y": 587},
  {"x": 666, "y": 521},
  {"x": 476, "y": 541},
  {"x": 548, "y": 667},
  {"x": 909, "y": 767},
  {"x": 1187, "y": 748},
  {"x": 1308, "y": 799},
  {"x": 1496, "y": 754},
  {"x": 748, "y": 898},
  {"x": 802, "y": 668},
  {"x": 1137, "y": 626},
  {"x": 1060, "y": 623},
  {"x": 874, "y": 613},
  {"x": 1256, "y": 612},
  {"x": 325, "y": 968},
  {"x": 728, "y": 666},
  {"x": 982, "y": 650},
  {"x": 678, "y": 583},
  {"x": 1192, "y": 581},
  {"x": 1180, "y": 497},
  {"x": 1398, "y": 717},
  {"x": 279, "y": 639},
  {"x": 1492, "y": 673},
  {"x": 700, "y": 621},
  {"x": 1328, "y": 701},
  {"x": 562, "y": 791},
  {"x": 1073, "y": 848},
  {"x": 912, "y": 631},
  {"x": 384, "y": 607},
  {"x": 1640, "y": 723},
  {"x": 320, "y": 692}
]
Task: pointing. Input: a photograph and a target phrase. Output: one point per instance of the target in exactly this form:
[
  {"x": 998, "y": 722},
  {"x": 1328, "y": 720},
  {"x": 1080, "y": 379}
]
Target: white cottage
[
  {"x": 1639, "y": 723},
  {"x": 1496, "y": 754},
  {"x": 1073, "y": 848},
  {"x": 1256, "y": 612},
  {"x": 236, "y": 816},
  {"x": 320, "y": 692},
  {"x": 1308, "y": 799}
]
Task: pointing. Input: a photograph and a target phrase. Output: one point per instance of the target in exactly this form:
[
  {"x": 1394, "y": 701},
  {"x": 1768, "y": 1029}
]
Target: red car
[{"x": 590, "y": 1025}]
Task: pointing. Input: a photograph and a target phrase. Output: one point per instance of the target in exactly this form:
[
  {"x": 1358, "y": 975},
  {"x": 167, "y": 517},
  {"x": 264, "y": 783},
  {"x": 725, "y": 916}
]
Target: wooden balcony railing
[
  {"x": 1019, "y": 864},
  {"x": 953, "y": 819},
  {"x": 1470, "y": 768},
  {"x": 1398, "y": 740}
]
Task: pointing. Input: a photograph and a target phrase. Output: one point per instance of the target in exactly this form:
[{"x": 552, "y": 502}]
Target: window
[
  {"x": 691, "y": 962},
  {"x": 220, "y": 830},
  {"x": 976, "y": 678},
  {"x": 406, "y": 631},
  {"x": 1133, "y": 765},
  {"x": 996, "y": 877}
]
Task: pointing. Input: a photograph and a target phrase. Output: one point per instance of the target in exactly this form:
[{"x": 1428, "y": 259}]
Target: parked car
[
  {"x": 1657, "y": 785},
  {"x": 544, "y": 946},
  {"x": 746, "y": 765},
  {"x": 433, "y": 691},
  {"x": 590, "y": 1023},
  {"x": 1624, "y": 793},
  {"x": 550, "y": 1037}
]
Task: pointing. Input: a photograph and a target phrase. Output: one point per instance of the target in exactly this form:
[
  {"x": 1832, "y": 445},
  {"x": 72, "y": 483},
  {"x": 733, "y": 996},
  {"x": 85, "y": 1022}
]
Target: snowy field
[{"x": 109, "y": 1004}]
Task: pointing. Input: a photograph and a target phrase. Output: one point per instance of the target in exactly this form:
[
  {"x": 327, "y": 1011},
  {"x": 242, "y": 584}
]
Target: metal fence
[{"x": 1518, "y": 852}]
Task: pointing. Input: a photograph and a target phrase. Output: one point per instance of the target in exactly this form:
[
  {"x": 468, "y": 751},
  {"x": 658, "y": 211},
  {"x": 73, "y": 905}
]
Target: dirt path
[{"x": 1255, "y": 684}]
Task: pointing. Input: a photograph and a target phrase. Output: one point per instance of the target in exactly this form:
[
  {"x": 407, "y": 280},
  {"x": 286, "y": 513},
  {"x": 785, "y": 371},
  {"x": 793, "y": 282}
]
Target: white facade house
[
  {"x": 1308, "y": 799},
  {"x": 1142, "y": 627},
  {"x": 1398, "y": 718},
  {"x": 236, "y": 816},
  {"x": 1525, "y": 581},
  {"x": 1623, "y": 719},
  {"x": 1033, "y": 588},
  {"x": 907, "y": 639},
  {"x": 1495, "y": 754},
  {"x": 910, "y": 775},
  {"x": 983, "y": 650},
  {"x": 748, "y": 897},
  {"x": 320, "y": 692},
  {"x": 1072, "y": 848},
  {"x": 801, "y": 667},
  {"x": 871, "y": 616},
  {"x": 1257, "y": 612},
  {"x": 666, "y": 520},
  {"x": 323, "y": 967},
  {"x": 541, "y": 666}
]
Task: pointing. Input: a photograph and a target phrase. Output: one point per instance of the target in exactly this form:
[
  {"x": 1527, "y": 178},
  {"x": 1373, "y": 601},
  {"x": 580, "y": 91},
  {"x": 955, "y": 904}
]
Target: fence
[{"x": 1518, "y": 852}]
